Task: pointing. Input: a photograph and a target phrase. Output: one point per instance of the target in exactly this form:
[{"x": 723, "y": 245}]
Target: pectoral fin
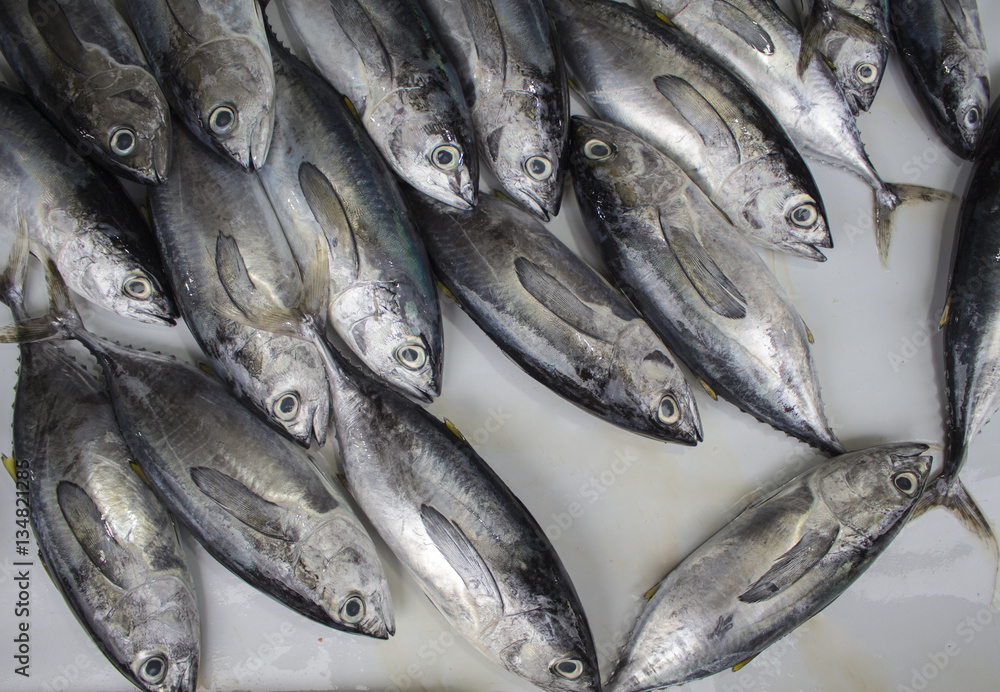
[
  {"x": 328, "y": 208},
  {"x": 260, "y": 515},
  {"x": 791, "y": 566},
  {"x": 486, "y": 35},
  {"x": 741, "y": 24},
  {"x": 559, "y": 300},
  {"x": 91, "y": 532},
  {"x": 54, "y": 27},
  {"x": 700, "y": 114},
  {"x": 461, "y": 555},
  {"x": 708, "y": 279}
]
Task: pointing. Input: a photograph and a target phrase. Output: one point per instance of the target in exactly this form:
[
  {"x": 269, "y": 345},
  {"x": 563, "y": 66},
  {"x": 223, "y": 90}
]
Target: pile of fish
[{"x": 307, "y": 193}]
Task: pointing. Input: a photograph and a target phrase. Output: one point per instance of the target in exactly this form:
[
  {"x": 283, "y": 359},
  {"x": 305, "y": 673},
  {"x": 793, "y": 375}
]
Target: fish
[
  {"x": 778, "y": 563},
  {"x": 84, "y": 69},
  {"x": 508, "y": 60},
  {"x": 759, "y": 44},
  {"x": 700, "y": 285},
  {"x": 257, "y": 502},
  {"x": 557, "y": 318},
  {"x": 466, "y": 539},
  {"x": 942, "y": 47},
  {"x": 106, "y": 541},
  {"x": 971, "y": 320},
  {"x": 853, "y": 35},
  {"x": 212, "y": 60},
  {"x": 648, "y": 77},
  {"x": 325, "y": 178},
  {"x": 205, "y": 199},
  {"x": 80, "y": 215},
  {"x": 386, "y": 59}
]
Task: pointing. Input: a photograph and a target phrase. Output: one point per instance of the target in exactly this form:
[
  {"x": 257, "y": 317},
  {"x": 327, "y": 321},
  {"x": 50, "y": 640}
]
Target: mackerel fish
[
  {"x": 80, "y": 215},
  {"x": 853, "y": 36},
  {"x": 385, "y": 57},
  {"x": 508, "y": 59},
  {"x": 557, "y": 318},
  {"x": 106, "y": 541},
  {"x": 211, "y": 58},
  {"x": 943, "y": 49},
  {"x": 206, "y": 199},
  {"x": 700, "y": 285},
  {"x": 255, "y": 501},
  {"x": 84, "y": 69},
  {"x": 326, "y": 179},
  {"x": 648, "y": 77},
  {"x": 773, "y": 567},
  {"x": 761, "y": 46}
]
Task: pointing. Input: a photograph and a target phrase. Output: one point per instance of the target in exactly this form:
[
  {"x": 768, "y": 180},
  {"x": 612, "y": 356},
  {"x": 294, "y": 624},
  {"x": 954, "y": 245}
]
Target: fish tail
[
  {"x": 890, "y": 197},
  {"x": 950, "y": 494}
]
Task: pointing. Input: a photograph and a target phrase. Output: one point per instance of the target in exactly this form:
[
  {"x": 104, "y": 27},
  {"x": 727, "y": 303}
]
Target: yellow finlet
[
  {"x": 809, "y": 334},
  {"x": 454, "y": 431},
  {"x": 664, "y": 18},
  {"x": 444, "y": 289},
  {"x": 350, "y": 107},
  {"x": 708, "y": 388},
  {"x": 139, "y": 472},
  {"x": 572, "y": 85},
  {"x": 652, "y": 592},
  {"x": 500, "y": 195},
  {"x": 944, "y": 313},
  {"x": 8, "y": 463},
  {"x": 739, "y": 666}
]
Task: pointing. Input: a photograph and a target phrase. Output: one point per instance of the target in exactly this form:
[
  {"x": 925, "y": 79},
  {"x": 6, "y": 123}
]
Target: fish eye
[
  {"x": 287, "y": 406},
  {"x": 411, "y": 356},
  {"x": 906, "y": 482},
  {"x": 597, "y": 150},
  {"x": 353, "y": 609},
  {"x": 804, "y": 215},
  {"x": 971, "y": 118},
  {"x": 222, "y": 120},
  {"x": 866, "y": 73},
  {"x": 137, "y": 286},
  {"x": 446, "y": 157},
  {"x": 668, "y": 412},
  {"x": 538, "y": 167},
  {"x": 123, "y": 141},
  {"x": 569, "y": 668},
  {"x": 153, "y": 670}
]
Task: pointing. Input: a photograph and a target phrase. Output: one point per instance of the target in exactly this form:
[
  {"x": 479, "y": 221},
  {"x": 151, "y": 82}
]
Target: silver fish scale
[{"x": 106, "y": 540}]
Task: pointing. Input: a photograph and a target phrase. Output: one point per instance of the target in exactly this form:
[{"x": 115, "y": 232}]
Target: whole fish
[
  {"x": 212, "y": 61},
  {"x": 253, "y": 499},
  {"x": 326, "y": 179},
  {"x": 972, "y": 317},
  {"x": 773, "y": 567},
  {"x": 853, "y": 36},
  {"x": 700, "y": 285},
  {"x": 384, "y": 56},
  {"x": 943, "y": 49},
  {"x": 557, "y": 318},
  {"x": 761, "y": 46},
  {"x": 507, "y": 57},
  {"x": 648, "y": 77},
  {"x": 80, "y": 215},
  {"x": 474, "y": 549},
  {"x": 207, "y": 198},
  {"x": 84, "y": 69},
  {"x": 106, "y": 541}
]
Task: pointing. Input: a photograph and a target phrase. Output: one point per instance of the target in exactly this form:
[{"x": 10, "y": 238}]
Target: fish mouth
[
  {"x": 536, "y": 206},
  {"x": 151, "y": 317},
  {"x": 807, "y": 251}
]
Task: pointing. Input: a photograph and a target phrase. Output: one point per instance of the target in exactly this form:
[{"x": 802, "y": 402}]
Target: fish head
[
  {"x": 105, "y": 267},
  {"x": 395, "y": 333},
  {"x": 551, "y": 649},
  {"x": 434, "y": 154},
  {"x": 351, "y": 585},
  {"x": 873, "y": 490},
  {"x": 782, "y": 198},
  {"x": 232, "y": 108},
  {"x": 160, "y": 648},
  {"x": 284, "y": 379},
  {"x": 969, "y": 116},
  {"x": 662, "y": 390},
  {"x": 859, "y": 67},
  {"x": 130, "y": 119},
  {"x": 528, "y": 161}
]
